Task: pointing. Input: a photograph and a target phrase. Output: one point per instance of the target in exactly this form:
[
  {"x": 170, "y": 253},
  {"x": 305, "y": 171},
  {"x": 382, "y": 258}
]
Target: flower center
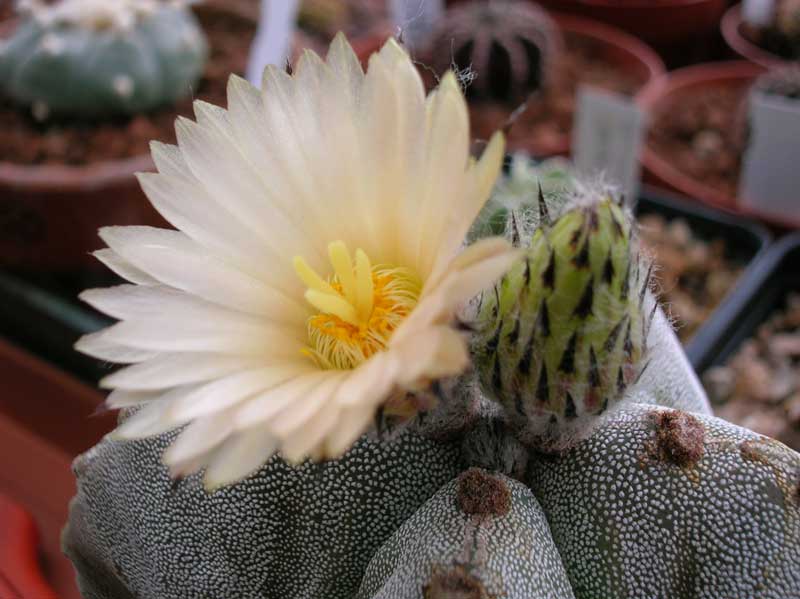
[{"x": 360, "y": 306}]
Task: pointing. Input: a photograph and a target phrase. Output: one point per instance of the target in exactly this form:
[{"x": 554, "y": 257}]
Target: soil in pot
[
  {"x": 771, "y": 38},
  {"x": 759, "y": 386},
  {"x": 701, "y": 134},
  {"x": 25, "y": 141},
  {"x": 546, "y": 123},
  {"x": 694, "y": 274}
]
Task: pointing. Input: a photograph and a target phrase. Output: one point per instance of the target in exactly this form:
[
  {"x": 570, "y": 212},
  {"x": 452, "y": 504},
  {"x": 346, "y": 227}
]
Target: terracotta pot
[
  {"x": 733, "y": 33},
  {"x": 20, "y": 571},
  {"x": 45, "y": 420},
  {"x": 663, "y": 93},
  {"x": 662, "y": 22},
  {"x": 620, "y": 49}
]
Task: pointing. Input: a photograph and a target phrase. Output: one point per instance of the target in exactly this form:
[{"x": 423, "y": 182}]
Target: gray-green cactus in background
[
  {"x": 657, "y": 502},
  {"x": 93, "y": 59}
]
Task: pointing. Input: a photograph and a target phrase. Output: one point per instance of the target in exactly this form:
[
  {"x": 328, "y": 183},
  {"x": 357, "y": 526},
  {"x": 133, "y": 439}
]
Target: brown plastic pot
[
  {"x": 49, "y": 215},
  {"x": 619, "y": 49},
  {"x": 45, "y": 420},
  {"x": 664, "y": 93},
  {"x": 733, "y": 32},
  {"x": 658, "y": 22}
]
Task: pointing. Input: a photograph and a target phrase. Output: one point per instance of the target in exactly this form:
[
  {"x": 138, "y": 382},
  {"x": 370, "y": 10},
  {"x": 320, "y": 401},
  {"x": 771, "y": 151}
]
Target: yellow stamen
[
  {"x": 360, "y": 307},
  {"x": 340, "y": 258},
  {"x": 334, "y": 305},
  {"x": 364, "y": 286},
  {"x": 311, "y": 279}
]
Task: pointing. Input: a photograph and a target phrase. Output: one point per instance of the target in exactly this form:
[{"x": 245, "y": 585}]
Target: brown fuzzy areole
[
  {"x": 679, "y": 438},
  {"x": 481, "y": 494},
  {"x": 455, "y": 583}
]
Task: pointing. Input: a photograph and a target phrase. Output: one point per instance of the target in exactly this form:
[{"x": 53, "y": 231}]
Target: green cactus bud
[
  {"x": 90, "y": 59},
  {"x": 563, "y": 334}
]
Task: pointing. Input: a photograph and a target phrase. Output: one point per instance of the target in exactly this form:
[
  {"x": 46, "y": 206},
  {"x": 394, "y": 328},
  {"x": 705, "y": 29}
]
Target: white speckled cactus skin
[
  {"x": 283, "y": 532},
  {"x": 656, "y": 503},
  {"x": 502, "y": 548},
  {"x": 99, "y": 68},
  {"x": 645, "y": 525}
]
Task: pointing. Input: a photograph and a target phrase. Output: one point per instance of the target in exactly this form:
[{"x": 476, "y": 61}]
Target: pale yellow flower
[{"x": 316, "y": 268}]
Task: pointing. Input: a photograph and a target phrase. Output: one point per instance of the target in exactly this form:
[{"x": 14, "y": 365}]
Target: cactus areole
[{"x": 93, "y": 59}]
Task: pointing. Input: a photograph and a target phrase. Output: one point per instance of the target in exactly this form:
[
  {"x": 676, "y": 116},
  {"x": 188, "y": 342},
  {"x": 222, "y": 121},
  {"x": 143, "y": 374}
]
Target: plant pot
[
  {"x": 50, "y": 213},
  {"x": 663, "y": 96},
  {"x": 746, "y": 243},
  {"x": 619, "y": 49},
  {"x": 733, "y": 33},
  {"x": 20, "y": 571},
  {"x": 763, "y": 292},
  {"x": 660, "y": 22},
  {"x": 44, "y": 316},
  {"x": 45, "y": 420}
]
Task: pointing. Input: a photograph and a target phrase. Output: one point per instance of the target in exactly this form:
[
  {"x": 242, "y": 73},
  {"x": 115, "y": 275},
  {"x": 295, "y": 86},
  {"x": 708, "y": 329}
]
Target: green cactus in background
[
  {"x": 92, "y": 59},
  {"x": 657, "y": 502},
  {"x": 563, "y": 334}
]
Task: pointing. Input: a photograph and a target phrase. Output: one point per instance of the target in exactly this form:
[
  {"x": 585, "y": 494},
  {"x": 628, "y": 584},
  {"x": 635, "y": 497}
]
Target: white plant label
[
  {"x": 273, "y": 39},
  {"x": 770, "y": 177},
  {"x": 758, "y": 12},
  {"x": 607, "y": 138},
  {"x": 415, "y": 18}
]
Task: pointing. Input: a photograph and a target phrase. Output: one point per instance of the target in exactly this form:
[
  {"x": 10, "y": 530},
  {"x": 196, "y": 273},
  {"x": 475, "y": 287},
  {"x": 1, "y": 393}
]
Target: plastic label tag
[
  {"x": 415, "y": 18},
  {"x": 607, "y": 137},
  {"x": 770, "y": 165},
  {"x": 758, "y": 12},
  {"x": 273, "y": 39}
]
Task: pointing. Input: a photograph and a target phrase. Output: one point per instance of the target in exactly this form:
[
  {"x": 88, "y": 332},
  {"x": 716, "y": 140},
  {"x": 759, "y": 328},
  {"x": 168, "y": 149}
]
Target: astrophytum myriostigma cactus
[
  {"x": 660, "y": 500},
  {"x": 563, "y": 334},
  {"x": 94, "y": 59}
]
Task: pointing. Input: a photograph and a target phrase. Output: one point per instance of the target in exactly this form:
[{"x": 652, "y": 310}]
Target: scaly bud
[{"x": 562, "y": 336}]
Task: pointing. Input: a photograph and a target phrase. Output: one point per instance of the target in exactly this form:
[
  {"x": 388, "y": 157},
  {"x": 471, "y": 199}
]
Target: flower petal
[
  {"x": 232, "y": 389},
  {"x": 174, "y": 259},
  {"x": 171, "y": 370},
  {"x": 239, "y": 456},
  {"x": 123, "y": 268}
]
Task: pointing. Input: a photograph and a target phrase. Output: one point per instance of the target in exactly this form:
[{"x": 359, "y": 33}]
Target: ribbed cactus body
[
  {"x": 564, "y": 333},
  {"x": 481, "y": 536},
  {"x": 302, "y": 532},
  {"x": 73, "y": 70},
  {"x": 662, "y": 503}
]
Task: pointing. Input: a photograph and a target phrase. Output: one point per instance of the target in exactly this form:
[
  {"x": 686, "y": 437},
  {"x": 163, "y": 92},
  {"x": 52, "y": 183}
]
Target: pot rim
[
  {"x": 641, "y": 4},
  {"x": 730, "y": 26},
  {"x": 675, "y": 82},
  {"x": 610, "y": 36}
]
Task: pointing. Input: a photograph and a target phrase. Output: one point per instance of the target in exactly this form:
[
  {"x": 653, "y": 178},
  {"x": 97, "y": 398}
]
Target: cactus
[
  {"x": 482, "y": 535},
  {"x": 505, "y": 49},
  {"x": 656, "y": 502},
  {"x": 92, "y": 59},
  {"x": 787, "y": 23}
]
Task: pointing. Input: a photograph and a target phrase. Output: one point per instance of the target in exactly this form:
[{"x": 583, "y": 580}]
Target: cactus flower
[{"x": 315, "y": 270}]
